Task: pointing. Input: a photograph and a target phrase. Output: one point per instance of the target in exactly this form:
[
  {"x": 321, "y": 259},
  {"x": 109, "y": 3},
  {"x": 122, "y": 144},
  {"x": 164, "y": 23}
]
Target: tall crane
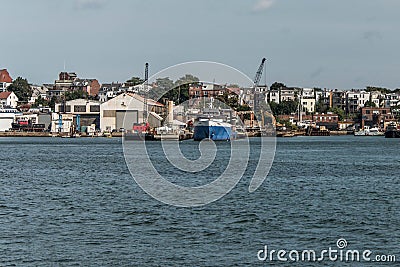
[
  {"x": 146, "y": 83},
  {"x": 259, "y": 72},
  {"x": 256, "y": 80}
]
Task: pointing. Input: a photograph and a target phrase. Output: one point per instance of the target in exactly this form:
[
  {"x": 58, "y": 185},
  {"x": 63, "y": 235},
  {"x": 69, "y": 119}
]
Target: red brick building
[
  {"x": 210, "y": 90},
  {"x": 373, "y": 116},
  {"x": 329, "y": 120},
  {"x": 90, "y": 86},
  {"x": 5, "y": 76}
]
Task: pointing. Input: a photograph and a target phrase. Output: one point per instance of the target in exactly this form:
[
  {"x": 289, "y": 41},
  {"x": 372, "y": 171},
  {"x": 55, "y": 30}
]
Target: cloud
[
  {"x": 261, "y": 5},
  {"x": 317, "y": 72},
  {"x": 372, "y": 35},
  {"x": 89, "y": 4}
]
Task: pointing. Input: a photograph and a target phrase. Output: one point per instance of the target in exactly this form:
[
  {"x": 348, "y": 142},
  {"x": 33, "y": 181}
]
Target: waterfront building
[
  {"x": 328, "y": 120},
  {"x": 87, "y": 110},
  {"x": 373, "y": 116},
  {"x": 62, "y": 123},
  {"x": 127, "y": 109},
  {"x": 7, "y": 117},
  {"x": 32, "y": 118}
]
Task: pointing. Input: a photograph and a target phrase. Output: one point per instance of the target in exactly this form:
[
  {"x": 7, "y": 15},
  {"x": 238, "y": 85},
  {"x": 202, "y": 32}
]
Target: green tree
[
  {"x": 134, "y": 81},
  {"x": 76, "y": 94},
  {"x": 187, "y": 79},
  {"x": 232, "y": 100},
  {"x": 40, "y": 102},
  {"x": 53, "y": 102},
  {"x": 284, "y": 108},
  {"x": 181, "y": 90},
  {"x": 370, "y": 104},
  {"x": 380, "y": 89},
  {"x": 277, "y": 86},
  {"x": 320, "y": 106},
  {"x": 339, "y": 112},
  {"x": 21, "y": 88},
  {"x": 177, "y": 91}
]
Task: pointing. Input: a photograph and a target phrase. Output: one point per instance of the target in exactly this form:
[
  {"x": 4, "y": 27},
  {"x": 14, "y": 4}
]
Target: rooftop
[{"x": 4, "y": 95}]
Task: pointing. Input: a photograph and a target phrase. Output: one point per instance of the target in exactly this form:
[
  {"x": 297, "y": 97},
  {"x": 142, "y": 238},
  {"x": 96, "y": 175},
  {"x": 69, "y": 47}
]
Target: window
[
  {"x": 94, "y": 108},
  {"x": 79, "y": 108},
  {"x": 109, "y": 113}
]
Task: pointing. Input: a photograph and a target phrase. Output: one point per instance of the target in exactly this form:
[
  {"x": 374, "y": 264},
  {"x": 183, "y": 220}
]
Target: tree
[
  {"x": 380, "y": 89},
  {"x": 370, "y": 104},
  {"x": 134, "y": 81},
  {"x": 320, "y": 106},
  {"x": 21, "y": 88},
  {"x": 284, "y": 108},
  {"x": 186, "y": 80},
  {"x": 232, "y": 100},
  {"x": 76, "y": 94},
  {"x": 181, "y": 90},
  {"x": 339, "y": 112},
  {"x": 177, "y": 91},
  {"x": 161, "y": 87},
  {"x": 53, "y": 102},
  {"x": 277, "y": 86},
  {"x": 40, "y": 102}
]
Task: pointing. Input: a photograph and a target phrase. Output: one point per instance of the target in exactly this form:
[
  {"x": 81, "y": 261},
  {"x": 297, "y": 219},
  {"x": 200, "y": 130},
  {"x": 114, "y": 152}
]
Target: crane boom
[{"x": 259, "y": 72}]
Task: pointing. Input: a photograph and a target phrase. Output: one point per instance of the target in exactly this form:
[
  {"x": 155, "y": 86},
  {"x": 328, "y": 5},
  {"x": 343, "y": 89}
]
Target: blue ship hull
[{"x": 216, "y": 133}]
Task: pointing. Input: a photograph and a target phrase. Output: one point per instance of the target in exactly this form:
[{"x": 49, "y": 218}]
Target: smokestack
[{"x": 170, "y": 112}]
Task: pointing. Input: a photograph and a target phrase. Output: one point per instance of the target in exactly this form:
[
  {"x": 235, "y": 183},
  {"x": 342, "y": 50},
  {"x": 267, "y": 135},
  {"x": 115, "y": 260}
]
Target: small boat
[
  {"x": 392, "y": 131},
  {"x": 367, "y": 131}
]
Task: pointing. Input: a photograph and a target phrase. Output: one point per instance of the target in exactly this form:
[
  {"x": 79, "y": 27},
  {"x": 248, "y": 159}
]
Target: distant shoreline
[{"x": 117, "y": 134}]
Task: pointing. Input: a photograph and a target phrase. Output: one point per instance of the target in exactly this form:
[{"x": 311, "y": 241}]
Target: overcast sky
[{"x": 324, "y": 43}]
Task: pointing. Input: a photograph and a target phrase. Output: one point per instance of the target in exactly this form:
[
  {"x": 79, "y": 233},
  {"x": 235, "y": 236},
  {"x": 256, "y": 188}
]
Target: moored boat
[
  {"x": 392, "y": 131},
  {"x": 212, "y": 129},
  {"x": 367, "y": 131}
]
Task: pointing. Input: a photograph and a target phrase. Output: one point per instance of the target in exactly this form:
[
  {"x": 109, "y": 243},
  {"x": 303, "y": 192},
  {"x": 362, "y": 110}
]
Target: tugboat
[{"x": 392, "y": 131}]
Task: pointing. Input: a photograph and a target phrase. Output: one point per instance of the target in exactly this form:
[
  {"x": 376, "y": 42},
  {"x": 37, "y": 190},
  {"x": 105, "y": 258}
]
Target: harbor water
[{"x": 73, "y": 202}]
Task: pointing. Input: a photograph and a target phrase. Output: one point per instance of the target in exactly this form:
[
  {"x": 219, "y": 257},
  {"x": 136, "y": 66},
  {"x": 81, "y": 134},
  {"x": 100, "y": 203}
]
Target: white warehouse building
[{"x": 127, "y": 109}]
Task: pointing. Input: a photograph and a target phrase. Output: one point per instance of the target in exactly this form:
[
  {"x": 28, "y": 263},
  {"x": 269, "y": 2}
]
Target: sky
[{"x": 309, "y": 43}]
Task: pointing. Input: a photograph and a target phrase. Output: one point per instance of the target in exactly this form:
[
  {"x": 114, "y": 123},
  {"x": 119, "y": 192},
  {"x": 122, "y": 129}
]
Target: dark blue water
[{"x": 72, "y": 202}]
